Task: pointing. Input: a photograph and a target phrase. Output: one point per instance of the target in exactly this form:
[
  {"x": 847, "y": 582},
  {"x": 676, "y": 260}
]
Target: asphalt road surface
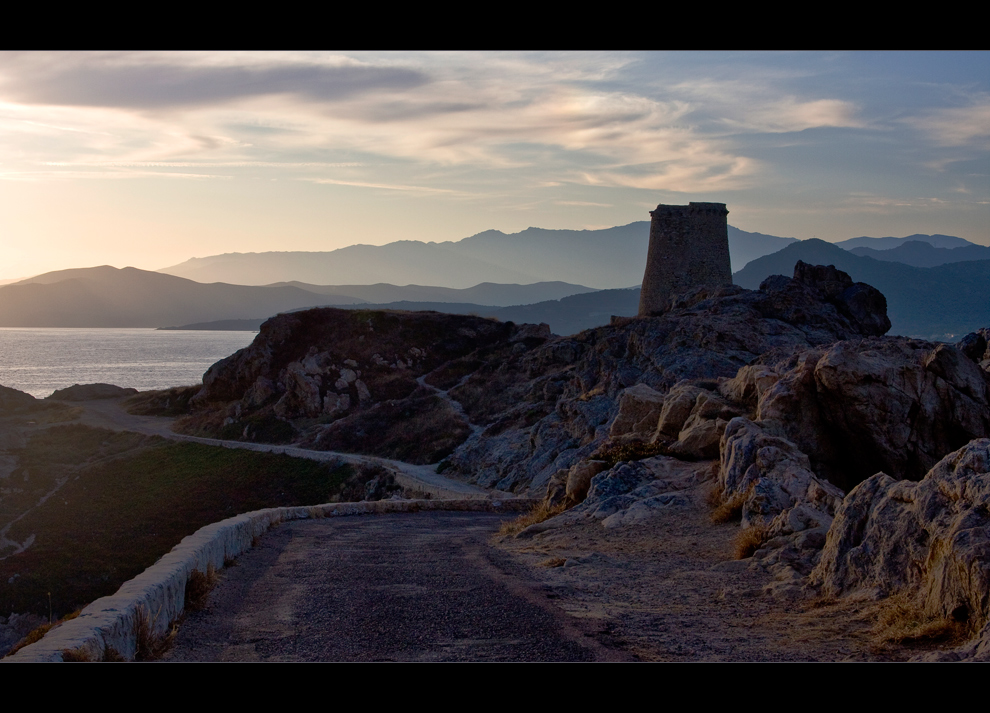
[{"x": 403, "y": 587}]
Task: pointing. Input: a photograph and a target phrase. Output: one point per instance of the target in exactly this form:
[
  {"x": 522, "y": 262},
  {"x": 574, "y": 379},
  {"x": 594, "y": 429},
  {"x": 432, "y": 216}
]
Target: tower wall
[{"x": 689, "y": 247}]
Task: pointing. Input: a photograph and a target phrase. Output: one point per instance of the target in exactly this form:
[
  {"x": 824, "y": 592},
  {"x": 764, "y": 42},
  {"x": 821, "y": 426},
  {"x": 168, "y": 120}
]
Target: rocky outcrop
[
  {"x": 639, "y": 412},
  {"x": 557, "y": 405},
  {"x": 930, "y": 539},
  {"x": 347, "y": 379},
  {"x": 87, "y": 392},
  {"x": 631, "y": 491},
  {"x": 976, "y": 347}
]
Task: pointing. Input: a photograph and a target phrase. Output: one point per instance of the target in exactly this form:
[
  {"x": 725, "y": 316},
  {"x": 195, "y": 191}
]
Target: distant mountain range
[
  {"x": 921, "y": 254},
  {"x": 939, "y": 241},
  {"x": 603, "y": 259},
  {"x": 936, "y": 285},
  {"x": 110, "y": 297}
]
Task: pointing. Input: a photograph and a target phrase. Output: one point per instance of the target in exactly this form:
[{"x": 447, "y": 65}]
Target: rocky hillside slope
[{"x": 781, "y": 400}]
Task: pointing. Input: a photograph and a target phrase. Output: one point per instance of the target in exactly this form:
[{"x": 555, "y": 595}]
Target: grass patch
[
  {"x": 165, "y": 402},
  {"x": 422, "y": 429},
  {"x": 451, "y": 373},
  {"x": 540, "y": 512},
  {"x": 114, "y": 517}
]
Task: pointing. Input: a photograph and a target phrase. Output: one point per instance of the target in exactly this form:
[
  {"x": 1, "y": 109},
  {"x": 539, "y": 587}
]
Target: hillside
[
  {"x": 110, "y": 297},
  {"x": 128, "y": 297}
]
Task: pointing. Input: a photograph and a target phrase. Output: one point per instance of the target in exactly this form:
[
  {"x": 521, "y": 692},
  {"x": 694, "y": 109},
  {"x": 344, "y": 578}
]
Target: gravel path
[
  {"x": 417, "y": 587},
  {"x": 109, "y": 413}
]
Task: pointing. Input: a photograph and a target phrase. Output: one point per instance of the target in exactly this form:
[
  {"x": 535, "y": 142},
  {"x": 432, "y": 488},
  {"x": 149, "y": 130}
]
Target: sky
[{"x": 148, "y": 159}]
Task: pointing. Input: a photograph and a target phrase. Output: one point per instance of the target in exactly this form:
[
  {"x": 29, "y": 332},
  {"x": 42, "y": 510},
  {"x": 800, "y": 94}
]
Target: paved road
[{"x": 405, "y": 587}]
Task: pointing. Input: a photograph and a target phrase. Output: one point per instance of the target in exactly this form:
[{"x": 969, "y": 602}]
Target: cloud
[
  {"x": 958, "y": 126},
  {"x": 167, "y": 82},
  {"x": 386, "y": 186}
]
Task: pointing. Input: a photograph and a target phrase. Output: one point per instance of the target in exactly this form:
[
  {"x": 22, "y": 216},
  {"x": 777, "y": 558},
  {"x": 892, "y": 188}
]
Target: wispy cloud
[
  {"x": 385, "y": 186},
  {"x": 154, "y": 81},
  {"x": 957, "y": 126},
  {"x": 765, "y": 108}
]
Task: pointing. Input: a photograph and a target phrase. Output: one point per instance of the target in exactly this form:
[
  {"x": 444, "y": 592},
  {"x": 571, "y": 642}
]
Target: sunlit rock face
[{"x": 930, "y": 538}]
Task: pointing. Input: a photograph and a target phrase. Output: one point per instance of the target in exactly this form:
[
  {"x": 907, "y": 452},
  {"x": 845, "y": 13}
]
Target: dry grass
[
  {"x": 199, "y": 586},
  {"x": 902, "y": 622},
  {"x": 726, "y": 509},
  {"x": 33, "y": 637},
  {"x": 750, "y": 539},
  {"x": 110, "y": 655},
  {"x": 151, "y": 645},
  {"x": 540, "y": 512},
  {"x": 612, "y": 452},
  {"x": 75, "y": 656},
  {"x": 36, "y": 635}
]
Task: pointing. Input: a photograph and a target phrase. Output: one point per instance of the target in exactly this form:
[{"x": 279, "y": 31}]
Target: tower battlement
[{"x": 689, "y": 247}]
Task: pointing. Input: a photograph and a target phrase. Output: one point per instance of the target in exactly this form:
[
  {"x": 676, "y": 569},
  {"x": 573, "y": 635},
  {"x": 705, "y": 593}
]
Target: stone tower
[{"x": 689, "y": 247}]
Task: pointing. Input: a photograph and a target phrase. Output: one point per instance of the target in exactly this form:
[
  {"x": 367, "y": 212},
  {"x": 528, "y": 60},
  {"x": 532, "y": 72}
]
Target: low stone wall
[{"x": 152, "y": 601}]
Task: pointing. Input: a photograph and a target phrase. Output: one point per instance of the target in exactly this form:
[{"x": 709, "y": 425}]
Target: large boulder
[
  {"x": 929, "y": 539},
  {"x": 881, "y": 404},
  {"x": 639, "y": 412},
  {"x": 772, "y": 476}
]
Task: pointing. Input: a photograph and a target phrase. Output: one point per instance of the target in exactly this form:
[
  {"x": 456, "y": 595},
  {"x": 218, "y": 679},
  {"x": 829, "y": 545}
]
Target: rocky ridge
[{"x": 780, "y": 400}]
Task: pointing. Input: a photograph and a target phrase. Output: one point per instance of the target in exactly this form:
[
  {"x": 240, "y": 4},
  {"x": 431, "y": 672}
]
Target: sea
[{"x": 41, "y": 360}]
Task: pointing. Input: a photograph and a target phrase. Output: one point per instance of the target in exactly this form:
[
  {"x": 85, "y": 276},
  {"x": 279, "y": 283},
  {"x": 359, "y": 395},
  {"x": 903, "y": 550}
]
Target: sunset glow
[{"x": 148, "y": 159}]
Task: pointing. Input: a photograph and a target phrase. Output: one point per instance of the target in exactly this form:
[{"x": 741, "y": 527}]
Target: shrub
[
  {"x": 540, "y": 512},
  {"x": 750, "y": 539}
]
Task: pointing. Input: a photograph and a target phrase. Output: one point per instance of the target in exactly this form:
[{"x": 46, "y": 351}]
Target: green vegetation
[{"x": 130, "y": 501}]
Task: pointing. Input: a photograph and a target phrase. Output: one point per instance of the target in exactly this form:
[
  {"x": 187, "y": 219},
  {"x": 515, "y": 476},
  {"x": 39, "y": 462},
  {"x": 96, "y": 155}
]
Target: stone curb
[{"x": 156, "y": 598}]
